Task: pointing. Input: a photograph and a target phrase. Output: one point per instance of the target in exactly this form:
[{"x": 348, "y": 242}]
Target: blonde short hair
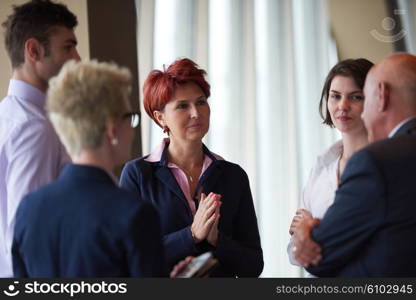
[{"x": 83, "y": 97}]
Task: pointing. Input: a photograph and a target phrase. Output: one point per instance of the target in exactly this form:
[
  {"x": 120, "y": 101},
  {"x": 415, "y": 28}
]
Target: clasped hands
[
  {"x": 305, "y": 250},
  {"x": 205, "y": 224}
]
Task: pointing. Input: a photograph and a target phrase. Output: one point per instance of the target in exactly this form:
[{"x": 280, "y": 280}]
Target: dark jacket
[
  {"x": 369, "y": 231},
  {"x": 83, "y": 225},
  {"x": 238, "y": 250}
]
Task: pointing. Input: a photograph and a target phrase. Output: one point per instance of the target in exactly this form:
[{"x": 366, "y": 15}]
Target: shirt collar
[
  {"x": 24, "y": 90},
  {"x": 331, "y": 154},
  {"x": 160, "y": 155},
  {"x": 156, "y": 154},
  {"x": 398, "y": 126}
]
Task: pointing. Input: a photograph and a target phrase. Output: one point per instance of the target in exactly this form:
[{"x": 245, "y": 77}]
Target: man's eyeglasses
[{"x": 134, "y": 118}]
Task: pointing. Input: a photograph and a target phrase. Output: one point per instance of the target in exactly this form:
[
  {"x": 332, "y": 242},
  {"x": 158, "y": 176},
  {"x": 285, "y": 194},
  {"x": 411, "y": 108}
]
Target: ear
[
  {"x": 34, "y": 51},
  {"x": 383, "y": 96},
  {"x": 111, "y": 131},
  {"x": 159, "y": 116}
]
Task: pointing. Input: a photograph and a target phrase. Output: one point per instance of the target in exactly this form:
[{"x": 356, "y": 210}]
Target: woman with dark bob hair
[
  {"x": 341, "y": 105},
  {"x": 204, "y": 201}
]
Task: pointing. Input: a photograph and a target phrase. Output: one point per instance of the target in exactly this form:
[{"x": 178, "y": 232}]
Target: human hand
[
  {"x": 180, "y": 266},
  {"x": 305, "y": 250},
  {"x": 300, "y": 213},
  {"x": 204, "y": 217},
  {"x": 212, "y": 237}
]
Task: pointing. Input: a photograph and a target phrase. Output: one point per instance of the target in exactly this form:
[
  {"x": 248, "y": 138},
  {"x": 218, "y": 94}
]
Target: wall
[
  {"x": 78, "y": 7},
  {"x": 351, "y": 23}
]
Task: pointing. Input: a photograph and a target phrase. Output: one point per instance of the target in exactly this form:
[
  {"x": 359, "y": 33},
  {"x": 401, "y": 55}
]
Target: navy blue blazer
[
  {"x": 83, "y": 225},
  {"x": 238, "y": 250},
  {"x": 369, "y": 231}
]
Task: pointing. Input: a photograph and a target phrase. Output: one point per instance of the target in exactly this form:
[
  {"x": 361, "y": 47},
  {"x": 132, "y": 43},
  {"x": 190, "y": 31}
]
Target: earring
[
  {"x": 166, "y": 129},
  {"x": 114, "y": 141}
]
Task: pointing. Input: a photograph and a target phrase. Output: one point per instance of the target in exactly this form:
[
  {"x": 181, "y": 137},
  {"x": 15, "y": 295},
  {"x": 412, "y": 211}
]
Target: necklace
[{"x": 188, "y": 175}]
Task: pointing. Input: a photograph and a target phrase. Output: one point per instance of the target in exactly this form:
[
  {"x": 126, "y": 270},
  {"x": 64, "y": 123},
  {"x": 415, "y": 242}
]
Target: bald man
[{"x": 370, "y": 229}]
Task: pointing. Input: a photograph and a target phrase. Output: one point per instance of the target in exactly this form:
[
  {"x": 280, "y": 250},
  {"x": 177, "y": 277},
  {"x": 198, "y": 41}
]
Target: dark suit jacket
[
  {"x": 83, "y": 225},
  {"x": 370, "y": 229},
  {"x": 238, "y": 250}
]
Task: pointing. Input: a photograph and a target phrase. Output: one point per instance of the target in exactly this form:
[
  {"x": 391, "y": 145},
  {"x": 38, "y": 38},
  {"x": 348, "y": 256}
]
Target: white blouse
[{"x": 319, "y": 191}]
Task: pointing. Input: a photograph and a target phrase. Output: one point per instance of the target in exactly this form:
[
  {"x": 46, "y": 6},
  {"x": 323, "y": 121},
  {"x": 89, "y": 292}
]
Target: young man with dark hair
[{"x": 39, "y": 38}]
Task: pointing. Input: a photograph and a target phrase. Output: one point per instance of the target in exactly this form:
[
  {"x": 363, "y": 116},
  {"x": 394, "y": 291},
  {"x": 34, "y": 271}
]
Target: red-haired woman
[{"x": 204, "y": 202}]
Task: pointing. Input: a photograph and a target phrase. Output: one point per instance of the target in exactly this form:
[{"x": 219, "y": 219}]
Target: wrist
[
  {"x": 195, "y": 239},
  {"x": 213, "y": 242},
  {"x": 213, "y": 239}
]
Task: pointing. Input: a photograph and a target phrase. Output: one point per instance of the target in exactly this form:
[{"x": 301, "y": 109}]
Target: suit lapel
[
  {"x": 211, "y": 177},
  {"x": 167, "y": 178}
]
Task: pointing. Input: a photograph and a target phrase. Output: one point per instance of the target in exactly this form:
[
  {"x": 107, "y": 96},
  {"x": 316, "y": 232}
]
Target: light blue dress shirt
[{"x": 31, "y": 156}]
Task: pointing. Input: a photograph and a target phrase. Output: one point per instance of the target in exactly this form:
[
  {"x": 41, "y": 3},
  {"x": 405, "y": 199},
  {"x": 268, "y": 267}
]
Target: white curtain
[
  {"x": 266, "y": 62},
  {"x": 407, "y": 12}
]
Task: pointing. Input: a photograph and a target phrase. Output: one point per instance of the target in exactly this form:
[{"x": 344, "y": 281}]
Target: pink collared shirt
[{"x": 179, "y": 174}]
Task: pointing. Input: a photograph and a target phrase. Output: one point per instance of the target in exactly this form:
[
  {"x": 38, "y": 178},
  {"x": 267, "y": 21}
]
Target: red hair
[{"x": 160, "y": 86}]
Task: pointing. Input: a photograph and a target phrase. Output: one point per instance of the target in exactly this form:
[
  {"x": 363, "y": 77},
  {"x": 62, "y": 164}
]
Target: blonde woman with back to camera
[{"x": 83, "y": 224}]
